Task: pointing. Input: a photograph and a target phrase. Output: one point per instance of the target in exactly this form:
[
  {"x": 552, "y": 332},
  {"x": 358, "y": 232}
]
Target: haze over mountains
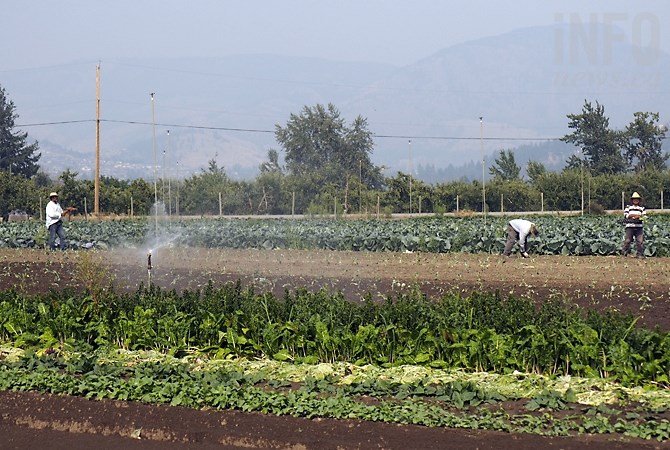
[{"x": 522, "y": 83}]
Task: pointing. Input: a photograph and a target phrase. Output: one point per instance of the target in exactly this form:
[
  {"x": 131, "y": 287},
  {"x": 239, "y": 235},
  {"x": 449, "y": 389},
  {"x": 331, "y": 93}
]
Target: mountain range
[{"x": 438, "y": 116}]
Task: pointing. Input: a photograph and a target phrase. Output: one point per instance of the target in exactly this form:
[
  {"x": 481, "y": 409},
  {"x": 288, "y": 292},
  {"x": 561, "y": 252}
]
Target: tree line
[{"x": 327, "y": 168}]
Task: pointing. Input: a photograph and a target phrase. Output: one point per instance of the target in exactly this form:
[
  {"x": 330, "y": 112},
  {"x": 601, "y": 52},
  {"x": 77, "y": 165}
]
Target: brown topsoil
[{"x": 32, "y": 420}]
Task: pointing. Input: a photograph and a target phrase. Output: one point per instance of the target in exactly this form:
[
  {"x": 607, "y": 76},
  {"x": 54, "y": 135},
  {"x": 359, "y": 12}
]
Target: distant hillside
[{"x": 522, "y": 83}]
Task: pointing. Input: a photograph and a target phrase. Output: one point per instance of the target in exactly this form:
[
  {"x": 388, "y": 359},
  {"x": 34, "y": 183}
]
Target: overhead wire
[{"x": 255, "y": 130}]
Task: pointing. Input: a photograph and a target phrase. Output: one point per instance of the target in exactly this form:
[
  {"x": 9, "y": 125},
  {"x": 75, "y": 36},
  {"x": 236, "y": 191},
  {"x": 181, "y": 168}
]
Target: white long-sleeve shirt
[
  {"x": 54, "y": 213},
  {"x": 522, "y": 227}
]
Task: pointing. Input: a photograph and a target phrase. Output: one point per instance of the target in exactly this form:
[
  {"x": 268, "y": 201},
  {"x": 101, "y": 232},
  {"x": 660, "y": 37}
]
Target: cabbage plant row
[{"x": 559, "y": 235}]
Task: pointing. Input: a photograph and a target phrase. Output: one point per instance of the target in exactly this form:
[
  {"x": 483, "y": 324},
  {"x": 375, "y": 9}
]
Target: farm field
[{"x": 29, "y": 419}]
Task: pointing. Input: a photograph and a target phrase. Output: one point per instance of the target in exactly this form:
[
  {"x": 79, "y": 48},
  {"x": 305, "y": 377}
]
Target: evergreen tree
[{"x": 16, "y": 156}]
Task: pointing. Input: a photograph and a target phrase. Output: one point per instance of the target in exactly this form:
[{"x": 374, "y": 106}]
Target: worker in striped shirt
[{"x": 634, "y": 214}]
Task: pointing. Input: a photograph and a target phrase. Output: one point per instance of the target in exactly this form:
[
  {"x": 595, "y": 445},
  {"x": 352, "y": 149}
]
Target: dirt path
[{"x": 30, "y": 420}]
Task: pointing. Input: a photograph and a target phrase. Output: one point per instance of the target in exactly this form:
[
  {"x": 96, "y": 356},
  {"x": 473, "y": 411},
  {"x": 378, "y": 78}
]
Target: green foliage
[
  {"x": 325, "y": 391},
  {"x": 534, "y": 170},
  {"x": 201, "y": 191},
  {"x": 600, "y": 145},
  {"x": 73, "y": 191},
  {"x": 505, "y": 168},
  {"x": 598, "y": 235},
  {"x": 317, "y": 141},
  {"x": 272, "y": 192},
  {"x": 17, "y": 192},
  {"x": 484, "y": 332},
  {"x": 515, "y": 195},
  {"x": 76, "y": 346},
  {"x": 644, "y": 141}
]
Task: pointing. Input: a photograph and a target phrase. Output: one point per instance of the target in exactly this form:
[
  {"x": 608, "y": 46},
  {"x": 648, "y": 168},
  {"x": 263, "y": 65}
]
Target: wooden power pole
[{"x": 96, "y": 203}]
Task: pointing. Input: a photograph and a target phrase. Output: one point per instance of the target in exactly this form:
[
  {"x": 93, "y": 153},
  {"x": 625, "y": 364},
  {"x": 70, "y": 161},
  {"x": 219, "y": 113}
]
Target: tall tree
[
  {"x": 200, "y": 192},
  {"x": 600, "y": 146},
  {"x": 319, "y": 143},
  {"x": 644, "y": 139},
  {"x": 505, "y": 167},
  {"x": 535, "y": 170},
  {"x": 16, "y": 156},
  {"x": 272, "y": 164}
]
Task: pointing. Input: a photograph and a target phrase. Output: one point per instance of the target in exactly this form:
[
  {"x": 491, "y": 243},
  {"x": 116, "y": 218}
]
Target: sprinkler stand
[{"x": 149, "y": 267}]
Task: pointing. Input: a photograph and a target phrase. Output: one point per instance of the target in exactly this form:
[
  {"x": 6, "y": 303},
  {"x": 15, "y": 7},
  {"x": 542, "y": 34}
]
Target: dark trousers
[
  {"x": 56, "y": 229},
  {"x": 512, "y": 237},
  {"x": 638, "y": 234}
]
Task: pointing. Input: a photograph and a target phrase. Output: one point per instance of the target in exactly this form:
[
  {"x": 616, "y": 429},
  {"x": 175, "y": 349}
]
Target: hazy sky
[{"x": 40, "y": 33}]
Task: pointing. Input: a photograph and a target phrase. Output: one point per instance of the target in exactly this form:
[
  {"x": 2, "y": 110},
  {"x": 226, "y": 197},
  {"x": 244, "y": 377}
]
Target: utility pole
[
  {"x": 410, "y": 175},
  {"x": 481, "y": 150},
  {"x": 96, "y": 201},
  {"x": 360, "y": 186},
  {"x": 169, "y": 178},
  {"x": 153, "y": 128},
  {"x": 582, "y": 177}
]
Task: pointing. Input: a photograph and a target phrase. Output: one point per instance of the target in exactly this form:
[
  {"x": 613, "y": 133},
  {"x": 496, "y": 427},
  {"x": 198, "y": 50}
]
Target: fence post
[
  {"x": 293, "y": 204},
  {"x": 501, "y": 204},
  {"x": 623, "y": 204},
  {"x": 542, "y": 201},
  {"x": 457, "y": 203},
  {"x": 661, "y": 198},
  {"x": 85, "y": 210},
  {"x": 220, "y": 207},
  {"x": 377, "y": 206},
  {"x": 132, "y": 212}
]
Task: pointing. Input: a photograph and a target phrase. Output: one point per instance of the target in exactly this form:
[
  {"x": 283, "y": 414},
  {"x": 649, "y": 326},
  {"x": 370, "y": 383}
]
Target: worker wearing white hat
[{"x": 54, "y": 223}]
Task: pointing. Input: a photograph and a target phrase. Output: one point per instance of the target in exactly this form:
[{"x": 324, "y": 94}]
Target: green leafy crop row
[
  {"x": 589, "y": 235},
  {"x": 483, "y": 332}
]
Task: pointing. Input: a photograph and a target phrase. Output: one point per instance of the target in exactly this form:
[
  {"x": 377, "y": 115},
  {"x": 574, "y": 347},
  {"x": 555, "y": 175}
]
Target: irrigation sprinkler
[{"x": 149, "y": 267}]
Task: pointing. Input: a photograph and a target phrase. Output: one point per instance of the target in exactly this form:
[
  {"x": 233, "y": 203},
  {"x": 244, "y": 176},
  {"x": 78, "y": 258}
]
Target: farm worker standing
[
  {"x": 518, "y": 231},
  {"x": 54, "y": 223},
  {"x": 633, "y": 216}
]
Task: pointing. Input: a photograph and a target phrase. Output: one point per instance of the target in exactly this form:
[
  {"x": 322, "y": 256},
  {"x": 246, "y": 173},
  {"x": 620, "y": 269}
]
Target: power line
[
  {"x": 456, "y": 138},
  {"x": 43, "y": 68},
  {"x": 195, "y": 127},
  {"x": 254, "y": 130},
  {"x": 64, "y": 122}
]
